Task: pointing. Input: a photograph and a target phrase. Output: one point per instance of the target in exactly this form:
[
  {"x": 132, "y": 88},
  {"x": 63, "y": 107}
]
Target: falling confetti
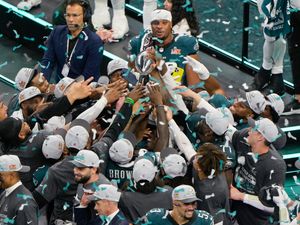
[
  {"x": 296, "y": 180},
  {"x": 286, "y": 122},
  {"x": 16, "y": 34},
  {"x": 3, "y": 64},
  {"x": 43, "y": 47},
  {"x": 209, "y": 196},
  {"x": 289, "y": 134},
  {"x": 16, "y": 47},
  {"x": 40, "y": 15}
]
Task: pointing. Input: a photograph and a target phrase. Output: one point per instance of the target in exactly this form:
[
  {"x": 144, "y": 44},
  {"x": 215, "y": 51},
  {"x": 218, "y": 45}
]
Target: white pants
[{"x": 273, "y": 54}]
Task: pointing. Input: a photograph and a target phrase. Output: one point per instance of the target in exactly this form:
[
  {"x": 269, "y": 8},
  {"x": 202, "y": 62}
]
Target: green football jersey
[
  {"x": 163, "y": 217},
  {"x": 173, "y": 53}
]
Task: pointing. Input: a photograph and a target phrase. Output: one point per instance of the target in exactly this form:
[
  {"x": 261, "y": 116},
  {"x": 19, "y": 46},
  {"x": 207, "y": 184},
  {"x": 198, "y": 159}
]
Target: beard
[{"x": 82, "y": 179}]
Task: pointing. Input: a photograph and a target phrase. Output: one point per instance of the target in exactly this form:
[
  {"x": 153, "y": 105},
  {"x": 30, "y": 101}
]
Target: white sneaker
[
  {"x": 119, "y": 24},
  {"x": 28, "y": 4}
]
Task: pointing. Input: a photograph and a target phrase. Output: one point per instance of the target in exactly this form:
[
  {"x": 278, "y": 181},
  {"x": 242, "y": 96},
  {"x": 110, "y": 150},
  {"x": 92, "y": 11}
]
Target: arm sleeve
[
  {"x": 182, "y": 141},
  {"x": 162, "y": 129},
  {"x": 27, "y": 213},
  {"x": 49, "y": 59},
  {"x": 253, "y": 200},
  {"x": 94, "y": 60},
  {"x": 117, "y": 126},
  {"x": 203, "y": 104},
  {"x": 170, "y": 84},
  {"x": 93, "y": 112}
]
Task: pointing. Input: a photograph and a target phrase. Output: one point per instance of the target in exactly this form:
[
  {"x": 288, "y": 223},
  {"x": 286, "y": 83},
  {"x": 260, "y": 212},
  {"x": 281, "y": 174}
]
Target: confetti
[
  {"x": 66, "y": 206},
  {"x": 3, "y": 64},
  {"x": 43, "y": 47},
  {"x": 56, "y": 13},
  {"x": 232, "y": 214},
  {"x": 65, "y": 188},
  {"x": 28, "y": 59},
  {"x": 101, "y": 49},
  {"x": 16, "y": 47},
  {"x": 22, "y": 206},
  {"x": 211, "y": 174},
  {"x": 24, "y": 197},
  {"x": 158, "y": 40},
  {"x": 245, "y": 86},
  {"x": 40, "y": 15},
  {"x": 7, "y": 221},
  {"x": 271, "y": 172},
  {"x": 209, "y": 196},
  {"x": 296, "y": 180},
  {"x": 187, "y": 3},
  {"x": 289, "y": 134},
  {"x": 16, "y": 34}
]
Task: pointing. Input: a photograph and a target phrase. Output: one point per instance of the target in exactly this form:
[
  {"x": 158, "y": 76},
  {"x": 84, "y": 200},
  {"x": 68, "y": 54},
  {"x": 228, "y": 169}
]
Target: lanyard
[{"x": 70, "y": 57}]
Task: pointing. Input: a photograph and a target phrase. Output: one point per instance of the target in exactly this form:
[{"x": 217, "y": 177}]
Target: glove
[
  {"x": 198, "y": 67},
  {"x": 282, "y": 199}
]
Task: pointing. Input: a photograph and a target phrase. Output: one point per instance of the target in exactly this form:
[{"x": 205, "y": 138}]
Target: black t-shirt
[
  {"x": 135, "y": 204},
  {"x": 214, "y": 197},
  {"x": 59, "y": 185},
  {"x": 30, "y": 154},
  {"x": 251, "y": 174}
]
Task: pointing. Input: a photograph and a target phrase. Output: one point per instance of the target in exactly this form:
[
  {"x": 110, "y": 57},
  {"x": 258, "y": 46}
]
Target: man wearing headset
[{"x": 73, "y": 48}]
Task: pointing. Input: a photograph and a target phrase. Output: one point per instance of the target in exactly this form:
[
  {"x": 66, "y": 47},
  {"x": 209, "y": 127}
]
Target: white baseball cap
[
  {"x": 174, "y": 165},
  {"x": 78, "y": 135},
  {"x": 144, "y": 169},
  {"x": 53, "y": 146},
  {"x": 11, "y": 163},
  {"x": 62, "y": 86},
  {"x": 219, "y": 120},
  {"x": 266, "y": 127},
  {"x": 55, "y": 122},
  {"x": 161, "y": 14},
  {"x": 256, "y": 101},
  {"x": 276, "y": 102},
  {"x": 106, "y": 192},
  {"x": 86, "y": 158},
  {"x": 24, "y": 76},
  {"x": 184, "y": 193},
  {"x": 29, "y": 93},
  {"x": 121, "y": 150},
  {"x": 116, "y": 64}
]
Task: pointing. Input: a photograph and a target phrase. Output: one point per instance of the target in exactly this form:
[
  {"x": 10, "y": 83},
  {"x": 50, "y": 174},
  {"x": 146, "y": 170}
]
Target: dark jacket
[
  {"x": 118, "y": 219},
  {"x": 85, "y": 61}
]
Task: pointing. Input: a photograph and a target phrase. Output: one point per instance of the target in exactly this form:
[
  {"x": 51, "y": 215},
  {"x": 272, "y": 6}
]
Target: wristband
[{"x": 129, "y": 100}]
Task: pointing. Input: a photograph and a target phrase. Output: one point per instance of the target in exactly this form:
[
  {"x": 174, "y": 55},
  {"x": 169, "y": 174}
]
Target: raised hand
[{"x": 198, "y": 67}]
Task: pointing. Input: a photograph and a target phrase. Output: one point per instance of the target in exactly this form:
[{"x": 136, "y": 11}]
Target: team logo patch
[
  {"x": 62, "y": 87},
  {"x": 22, "y": 84},
  {"x": 12, "y": 166},
  {"x": 21, "y": 97},
  {"x": 176, "y": 51}
]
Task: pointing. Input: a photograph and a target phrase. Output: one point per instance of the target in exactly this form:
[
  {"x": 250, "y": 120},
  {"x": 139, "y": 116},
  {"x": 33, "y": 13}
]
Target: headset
[{"x": 87, "y": 10}]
